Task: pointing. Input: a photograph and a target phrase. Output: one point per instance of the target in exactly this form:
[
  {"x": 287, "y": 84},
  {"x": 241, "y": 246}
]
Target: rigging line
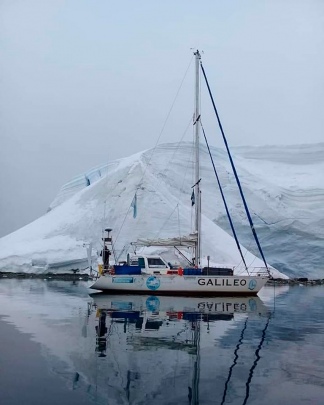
[
  {"x": 105, "y": 202},
  {"x": 167, "y": 118},
  {"x": 223, "y": 198},
  {"x": 124, "y": 249},
  {"x": 258, "y": 357},
  {"x": 234, "y": 361},
  {"x": 159, "y": 180},
  {"x": 178, "y": 144},
  {"x": 114, "y": 251},
  {"x": 179, "y": 222},
  {"x": 247, "y": 250},
  {"x": 177, "y": 149},
  {"x": 165, "y": 222},
  {"x": 192, "y": 157},
  {"x": 234, "y": 171},
  {"x": 186, "y": 168},
  {"x": 130, "y": 206},
  {"x": 274, "y": 298}
]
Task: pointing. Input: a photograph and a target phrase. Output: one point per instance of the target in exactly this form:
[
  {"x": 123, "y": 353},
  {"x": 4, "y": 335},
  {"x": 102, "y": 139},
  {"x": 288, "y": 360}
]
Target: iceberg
[{"x": 283, "y": 186}]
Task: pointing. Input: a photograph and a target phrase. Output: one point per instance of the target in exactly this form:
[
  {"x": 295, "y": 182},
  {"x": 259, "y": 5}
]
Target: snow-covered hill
[{"x": 283, "y": 187}]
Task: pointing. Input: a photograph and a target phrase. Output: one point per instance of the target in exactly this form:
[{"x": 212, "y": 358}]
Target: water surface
[{"x": 60, "y": 345}]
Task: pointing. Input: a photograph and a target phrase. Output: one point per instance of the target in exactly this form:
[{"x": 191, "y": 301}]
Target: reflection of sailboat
[
  {"x": 152, "y": 313},
  {"x": 171, "y": 323},
  {"x": 178, "y": 306},
  {"x": 152, "y": 274}
]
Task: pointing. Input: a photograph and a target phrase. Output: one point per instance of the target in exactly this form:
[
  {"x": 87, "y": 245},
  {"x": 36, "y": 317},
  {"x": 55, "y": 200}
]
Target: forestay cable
[
  {"x": 223, "y": 197},
  {"x": 234, "y": 170}
]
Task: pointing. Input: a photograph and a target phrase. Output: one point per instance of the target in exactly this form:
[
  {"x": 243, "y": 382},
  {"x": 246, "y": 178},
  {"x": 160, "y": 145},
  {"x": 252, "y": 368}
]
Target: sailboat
[{"x": 151, "y": 273}]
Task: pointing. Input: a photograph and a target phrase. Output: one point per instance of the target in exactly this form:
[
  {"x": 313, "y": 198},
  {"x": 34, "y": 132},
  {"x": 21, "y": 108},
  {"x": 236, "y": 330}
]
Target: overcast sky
[{"x": 84, "y": 82}]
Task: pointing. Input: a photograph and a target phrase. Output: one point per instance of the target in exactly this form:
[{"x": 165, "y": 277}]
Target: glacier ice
[{"x": 283, "y": 187}]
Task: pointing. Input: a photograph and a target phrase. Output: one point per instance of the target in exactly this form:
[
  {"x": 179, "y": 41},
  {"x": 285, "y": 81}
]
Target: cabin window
[
  {"x": 141, "y": 262},
  {"x": 156, "y": 262}
]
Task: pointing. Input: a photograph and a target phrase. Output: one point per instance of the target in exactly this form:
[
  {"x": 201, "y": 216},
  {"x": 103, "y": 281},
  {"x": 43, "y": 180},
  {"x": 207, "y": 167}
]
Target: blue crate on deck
[
  {"x": 191, "y": 272},
  {"x": 127, "y": 270}
]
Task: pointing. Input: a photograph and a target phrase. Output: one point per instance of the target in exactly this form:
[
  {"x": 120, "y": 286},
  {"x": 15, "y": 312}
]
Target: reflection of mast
[
  {"x": 101, "y": 331},
  {"x": 193, "y": 394}
]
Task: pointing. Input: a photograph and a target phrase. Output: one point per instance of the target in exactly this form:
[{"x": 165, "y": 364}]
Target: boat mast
[{"x": 197, "y": 174}]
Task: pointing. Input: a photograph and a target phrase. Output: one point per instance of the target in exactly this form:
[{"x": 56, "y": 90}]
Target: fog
[{"x": 86, "y": 82}]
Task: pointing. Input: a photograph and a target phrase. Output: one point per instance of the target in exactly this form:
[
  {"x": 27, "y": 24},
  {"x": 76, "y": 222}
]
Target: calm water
[{"x": 61, "y": 346}]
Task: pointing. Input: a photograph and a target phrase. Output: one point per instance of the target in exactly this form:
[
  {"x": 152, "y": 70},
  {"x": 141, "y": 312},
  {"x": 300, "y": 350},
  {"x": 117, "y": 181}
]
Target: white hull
[{"x": 182, "y": 285}]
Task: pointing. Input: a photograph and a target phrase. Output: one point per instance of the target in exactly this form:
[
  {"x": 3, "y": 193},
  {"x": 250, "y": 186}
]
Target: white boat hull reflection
[{"x": 178, "y": 306}]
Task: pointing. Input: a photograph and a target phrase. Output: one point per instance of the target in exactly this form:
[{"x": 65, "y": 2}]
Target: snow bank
[{"x": 283, "y": 187}]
